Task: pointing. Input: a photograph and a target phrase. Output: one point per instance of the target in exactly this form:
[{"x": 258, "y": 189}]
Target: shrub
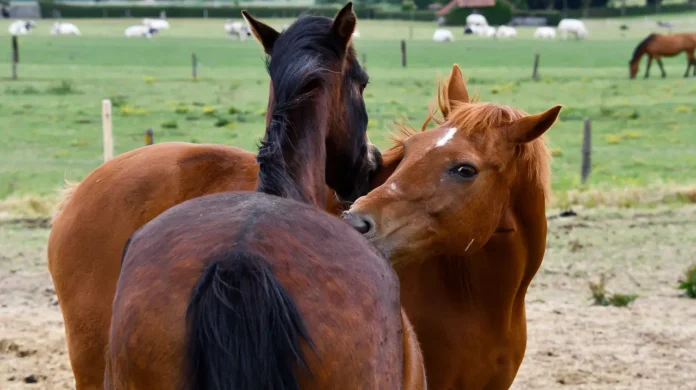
[
  {"x": 170, "y": 124},
  {"x": 688, "y": 284},
  {"x": 64, "y": 88},
  {"x": 600, "y": 297},
  {"x": 408, "y": 5}
]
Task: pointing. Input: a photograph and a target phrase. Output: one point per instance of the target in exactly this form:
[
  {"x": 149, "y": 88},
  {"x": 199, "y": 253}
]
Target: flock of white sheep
[
  {"x": 477, "y": 24},
  {"x": 146, "y": 29}
]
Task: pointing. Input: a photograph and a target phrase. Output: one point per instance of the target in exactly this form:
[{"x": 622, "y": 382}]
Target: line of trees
[{"x": 518, "y": 4}]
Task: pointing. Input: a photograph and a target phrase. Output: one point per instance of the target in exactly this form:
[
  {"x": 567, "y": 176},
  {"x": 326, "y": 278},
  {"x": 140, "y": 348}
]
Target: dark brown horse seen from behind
[
  {"x": 263, "y": 290},
  {"x": 656, "y": 46}
]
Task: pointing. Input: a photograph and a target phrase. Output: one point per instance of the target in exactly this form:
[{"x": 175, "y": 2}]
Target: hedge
[
  {"x": 552, "y": 17},
  {"x": 178, "y": 11},
  {"x": 501, "y": 13},
  {"x": 631, "y": 11}
]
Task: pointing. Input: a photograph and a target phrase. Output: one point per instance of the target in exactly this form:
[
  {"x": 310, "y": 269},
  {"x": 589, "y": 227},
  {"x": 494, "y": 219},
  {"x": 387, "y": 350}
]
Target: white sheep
[
  {"x": 574, "y": 27},
  {"x": 21, "y": 27},
  {"x": 484, "y": 31},
  {"x": 476, "y": 20},
  {"x": 443, "y": 35},
  {"x": 238, "y": 29},
  {"x": 159, "y": 24},
  {"x": 140, "y": 31},
  {"x": 506, "y": 32},
  {"x": 545, "y": 33},
  {"x": 64, "y": 29}
]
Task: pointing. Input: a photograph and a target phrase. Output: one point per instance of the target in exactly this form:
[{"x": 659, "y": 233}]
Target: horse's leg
[
  {"x": 688, "y": 66},
  {"x": 414, "y": 367},
  {"x": 647, "y": 69},
  {"x": 662, "y": 69}
]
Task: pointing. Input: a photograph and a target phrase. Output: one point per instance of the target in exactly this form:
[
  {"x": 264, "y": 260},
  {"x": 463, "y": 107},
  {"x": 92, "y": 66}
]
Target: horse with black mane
[{"x": 263, "y": 290}]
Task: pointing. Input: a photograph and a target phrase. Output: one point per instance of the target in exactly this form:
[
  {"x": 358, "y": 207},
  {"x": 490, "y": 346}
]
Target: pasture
[
  {"x": 644, "y": 151},
  {"x": 50, "y": 118}
]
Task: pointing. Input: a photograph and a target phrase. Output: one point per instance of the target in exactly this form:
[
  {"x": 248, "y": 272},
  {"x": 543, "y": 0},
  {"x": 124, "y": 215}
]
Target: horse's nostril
[{"x": 362, "y": 223}]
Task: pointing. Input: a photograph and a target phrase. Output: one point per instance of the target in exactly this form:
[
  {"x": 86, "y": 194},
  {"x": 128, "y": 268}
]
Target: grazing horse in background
[
  {"x": 262, "y": 290},
  {"x": 461, "y": 216},
  {"x": 659, "y": 45},
  {"x": 95, "y": 218}
]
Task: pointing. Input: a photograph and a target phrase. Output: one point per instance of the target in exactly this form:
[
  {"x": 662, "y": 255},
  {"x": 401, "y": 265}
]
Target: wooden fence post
[
  {"x": 15, "y": 56},
  {"x": 535, "y": 72},
  {"x": 586, "y": 150},
  {"x": 403, "y": 53},
  {"x": 149, "y": 137},
  {"x": 194, "y": 66},
  {"x": 107, "y": 134}
]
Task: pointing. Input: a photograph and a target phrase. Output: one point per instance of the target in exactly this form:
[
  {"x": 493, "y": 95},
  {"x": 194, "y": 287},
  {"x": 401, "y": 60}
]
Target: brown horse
[
  {"x": 256, "y": 291},
  {"x": 657, "y": 46},
  {"x": 95, "y": 218},
  {"x": 461, "y": 216}
]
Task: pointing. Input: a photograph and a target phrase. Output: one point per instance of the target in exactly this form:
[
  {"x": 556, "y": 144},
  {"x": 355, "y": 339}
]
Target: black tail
[
  {"x": 244, "y": 329},
  {"x": 639, "y": 49}
]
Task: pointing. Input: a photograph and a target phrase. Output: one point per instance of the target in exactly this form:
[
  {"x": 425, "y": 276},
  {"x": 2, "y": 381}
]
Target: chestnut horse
[
  {"x": 461, "y": 217},
  {"x": 96, "y": 217},
  {"x": 658, "y": 45},
  {"x": 262, "y": 290}
]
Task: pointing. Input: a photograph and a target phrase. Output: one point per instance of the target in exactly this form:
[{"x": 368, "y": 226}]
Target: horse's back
[
  {"x": 97, "y": 217},
  {"x": 346, "y": 292}
]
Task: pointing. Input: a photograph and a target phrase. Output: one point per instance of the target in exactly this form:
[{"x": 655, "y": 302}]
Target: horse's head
[
  {"x": 316, "y": 56},
  {"x": 445, "y": 191},
  {"x": 633, "y": 69}
]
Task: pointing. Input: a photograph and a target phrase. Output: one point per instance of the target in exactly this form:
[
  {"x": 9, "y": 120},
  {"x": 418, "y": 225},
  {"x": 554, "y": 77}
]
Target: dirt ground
[{"x": 572, "y": 344}]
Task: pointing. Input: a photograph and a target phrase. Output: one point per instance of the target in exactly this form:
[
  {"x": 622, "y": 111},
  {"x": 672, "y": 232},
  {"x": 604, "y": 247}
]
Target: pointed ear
[
  {"x": 265, "y": 34},
  {"x": 456, "y": 86},
  {"x": 453, "y": 91},
  {"x": 344, "y": 24},
  {"x": 531, "y": 127}
]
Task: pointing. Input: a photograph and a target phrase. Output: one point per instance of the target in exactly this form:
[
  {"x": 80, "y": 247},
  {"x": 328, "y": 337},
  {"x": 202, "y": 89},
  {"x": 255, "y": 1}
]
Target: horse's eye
[
  {"x": 362, "y": 87},
  {"x": 466, "y": 171}
]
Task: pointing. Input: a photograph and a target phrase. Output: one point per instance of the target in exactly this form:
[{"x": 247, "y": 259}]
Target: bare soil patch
[{"x": 572, "y": 344}]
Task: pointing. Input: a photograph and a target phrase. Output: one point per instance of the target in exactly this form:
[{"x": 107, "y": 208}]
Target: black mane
[
  {"x": 302, "y": 57},
  {"x": 638, "y": 51}
]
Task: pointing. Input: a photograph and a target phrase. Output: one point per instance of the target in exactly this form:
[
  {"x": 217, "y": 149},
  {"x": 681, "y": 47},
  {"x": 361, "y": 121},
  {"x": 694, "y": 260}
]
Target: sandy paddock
[{"x": 572, "y": 345}]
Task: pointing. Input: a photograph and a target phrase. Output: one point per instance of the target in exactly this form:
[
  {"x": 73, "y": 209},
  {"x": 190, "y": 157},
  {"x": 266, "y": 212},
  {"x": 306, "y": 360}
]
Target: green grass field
[{"x": 643, "y": 131}]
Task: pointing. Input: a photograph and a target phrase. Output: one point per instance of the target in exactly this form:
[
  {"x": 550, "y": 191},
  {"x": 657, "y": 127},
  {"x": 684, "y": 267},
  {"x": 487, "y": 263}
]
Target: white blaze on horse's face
[{"x": 442, "y": 141}]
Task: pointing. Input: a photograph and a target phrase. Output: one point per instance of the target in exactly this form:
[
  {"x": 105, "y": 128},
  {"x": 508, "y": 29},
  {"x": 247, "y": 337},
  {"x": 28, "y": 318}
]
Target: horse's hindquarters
[{"x": 347, "y": 295}]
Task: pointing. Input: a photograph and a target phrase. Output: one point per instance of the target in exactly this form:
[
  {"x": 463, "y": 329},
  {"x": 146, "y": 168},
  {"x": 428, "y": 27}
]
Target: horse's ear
[
  {"x": 344, "y": 24},
  {"x": 456, "y": 86},
  {"x": 265, "y": 34},
  {"x": 531, "y": 127}
]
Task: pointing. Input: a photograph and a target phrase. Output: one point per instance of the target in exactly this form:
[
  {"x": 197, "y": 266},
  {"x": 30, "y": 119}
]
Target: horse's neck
[{"x": 301, "y": 173}]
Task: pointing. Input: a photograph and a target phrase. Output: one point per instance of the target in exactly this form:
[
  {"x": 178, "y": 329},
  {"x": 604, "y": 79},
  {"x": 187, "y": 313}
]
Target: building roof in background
[{"x": 465, "y": 4}]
